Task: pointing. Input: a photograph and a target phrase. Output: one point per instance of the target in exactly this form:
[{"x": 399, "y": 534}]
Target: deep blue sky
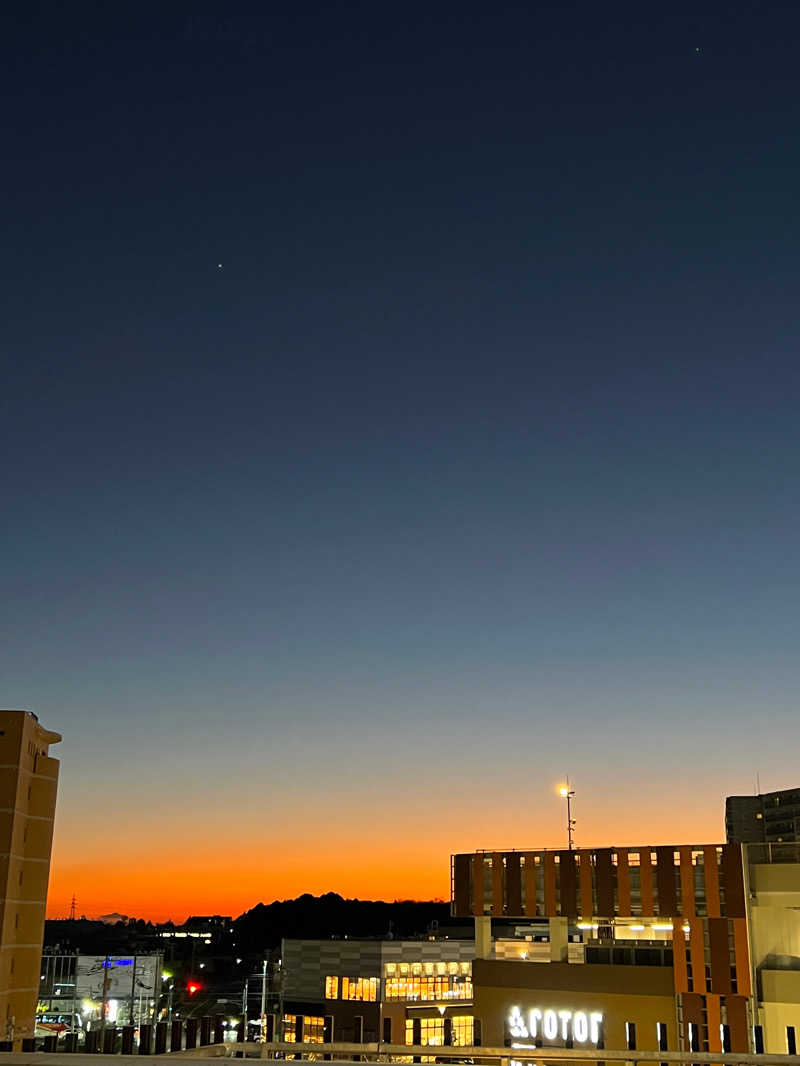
[{"x": 477, "y": 461}]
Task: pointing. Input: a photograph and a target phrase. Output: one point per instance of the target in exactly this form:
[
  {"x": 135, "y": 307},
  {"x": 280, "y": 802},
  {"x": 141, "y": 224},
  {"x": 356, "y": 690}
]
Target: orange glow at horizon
[{"x": 193, "y": 873}]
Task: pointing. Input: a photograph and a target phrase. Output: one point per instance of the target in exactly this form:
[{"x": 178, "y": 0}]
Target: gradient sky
[{"x": 475, "y": 464}]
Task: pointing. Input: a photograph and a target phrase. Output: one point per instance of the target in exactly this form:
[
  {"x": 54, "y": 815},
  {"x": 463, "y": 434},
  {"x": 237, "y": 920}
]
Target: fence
[
  {"x": 158, "y": 1039},
  {"x": 206, "y": 1035},
  {"x": 345, "y": 1054}
]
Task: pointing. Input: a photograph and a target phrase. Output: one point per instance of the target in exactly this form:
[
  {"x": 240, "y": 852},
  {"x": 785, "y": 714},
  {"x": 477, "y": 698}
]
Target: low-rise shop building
[{"x": 353, "y": 990}]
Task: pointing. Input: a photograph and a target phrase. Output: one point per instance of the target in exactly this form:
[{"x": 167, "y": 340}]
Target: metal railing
[
  {"x": 764, "y": 854},
  {"x": 344, "y": 1053},
  {"x": 205, "y": 1037}
]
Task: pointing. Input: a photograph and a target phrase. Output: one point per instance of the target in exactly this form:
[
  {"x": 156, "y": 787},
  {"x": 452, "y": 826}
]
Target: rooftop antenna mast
[{"x": 568, "y": 794}]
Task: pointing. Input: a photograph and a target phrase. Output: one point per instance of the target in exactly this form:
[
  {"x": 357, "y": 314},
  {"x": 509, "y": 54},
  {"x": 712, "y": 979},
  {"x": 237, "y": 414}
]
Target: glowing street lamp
[{"x": 567, "y": 793}]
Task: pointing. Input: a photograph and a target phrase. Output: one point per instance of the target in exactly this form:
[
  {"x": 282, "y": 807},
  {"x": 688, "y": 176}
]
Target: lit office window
[
  {"x": 331, "y": 988},
  {"x": 427, "y": 989},
  {"x": 360, "y": 988},
  {"x": 463, "y": 1030},
  {"x": 313, "y": 1029},
  {"x": 432, "y": 1030}
]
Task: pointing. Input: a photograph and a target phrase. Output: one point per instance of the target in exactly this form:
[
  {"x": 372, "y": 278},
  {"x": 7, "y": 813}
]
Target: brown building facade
[
  {"x": 614, "y": 996},
  {"x": 694, "y": 896},
  {"x": 28, "y": 783}
]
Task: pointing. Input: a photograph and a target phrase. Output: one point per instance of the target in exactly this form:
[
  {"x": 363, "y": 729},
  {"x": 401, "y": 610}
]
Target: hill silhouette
[
  {"x": 330, "y": 915},
  {"x": 262, "y": 927}
]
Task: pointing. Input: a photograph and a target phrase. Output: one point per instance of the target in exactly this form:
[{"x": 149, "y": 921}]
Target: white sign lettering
[{"x": 580, "y": 1026}]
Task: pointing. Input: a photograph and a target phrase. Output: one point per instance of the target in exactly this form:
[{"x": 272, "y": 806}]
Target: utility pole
[
  {"x": 264, "y": 1004},
  {"x": 245, "y": 993},
  {"x": 133, "y": 992},
  {"x": 104, "y": 1004},
  {"x": 157, "y": 982},
  {"x": 281, "y": 1020}
]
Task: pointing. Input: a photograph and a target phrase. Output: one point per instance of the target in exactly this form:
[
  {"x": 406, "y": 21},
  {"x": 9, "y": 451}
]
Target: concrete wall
[
  {"x": 28, "y": 783},
  {"x": 775, "y": 938},
  {"x": 780, "y": 1007},
  {"x": 534, "y": 951},
  {"x": 776, "y": 884},
  {"x": 775, "y": 949},
  {"x": 640, "y": 994}
]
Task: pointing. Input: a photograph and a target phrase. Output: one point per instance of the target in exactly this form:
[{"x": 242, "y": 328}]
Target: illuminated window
[
  {"x": 313, "y": 1029},
  {"x": 331, "y": 988},
  {"x": 432, "y": 1030},
  {"x": 463, "y": 1030},
  {"x": 441, "y": 967},
  {"x": 360, "y": 988},
  {"x": 416, "y": 967},
  {"x": 451, "y": 986}
]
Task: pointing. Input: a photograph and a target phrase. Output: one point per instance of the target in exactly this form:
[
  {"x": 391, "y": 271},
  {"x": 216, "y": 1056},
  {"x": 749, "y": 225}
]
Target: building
[
  {"x": 670, "y": 943},
  {"x": 28, "y": 783},
  {"x": 771, "y": 818},
  {"x": 406, "y": 991},
  {"x": 77, "y": 991},
  {"x": 206, "y": 928}
]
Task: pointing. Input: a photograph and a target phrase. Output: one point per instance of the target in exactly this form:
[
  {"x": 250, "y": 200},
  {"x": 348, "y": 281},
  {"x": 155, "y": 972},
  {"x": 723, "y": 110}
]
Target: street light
[{"x": 567, "y": 793}]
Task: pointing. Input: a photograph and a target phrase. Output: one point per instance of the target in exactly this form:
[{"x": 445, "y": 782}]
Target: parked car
[{"x": 55, "y": 1023}]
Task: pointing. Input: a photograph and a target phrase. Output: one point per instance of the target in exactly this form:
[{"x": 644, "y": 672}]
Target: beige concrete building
[
  {"x": 28, "y": 783},
  {"x": 774, "y": 921}
]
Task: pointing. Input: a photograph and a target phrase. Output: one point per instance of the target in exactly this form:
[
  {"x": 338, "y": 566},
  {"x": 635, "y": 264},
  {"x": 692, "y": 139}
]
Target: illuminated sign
[
  {"x": 582, "y": 1027},
  {"x": 119, "y": 977}
]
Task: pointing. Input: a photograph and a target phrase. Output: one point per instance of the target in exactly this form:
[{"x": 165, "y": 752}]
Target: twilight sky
[{"x": 399, "y": 411}]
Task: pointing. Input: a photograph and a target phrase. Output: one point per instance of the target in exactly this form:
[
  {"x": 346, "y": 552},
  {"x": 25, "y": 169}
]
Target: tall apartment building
[
  {"x": 28, "y": 783},
  {"x": 771, "y": 818}
]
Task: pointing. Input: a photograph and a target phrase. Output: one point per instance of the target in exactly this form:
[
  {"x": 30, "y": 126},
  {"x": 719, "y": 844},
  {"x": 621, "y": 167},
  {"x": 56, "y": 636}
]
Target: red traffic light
[{"x": 192, "y": 987}]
